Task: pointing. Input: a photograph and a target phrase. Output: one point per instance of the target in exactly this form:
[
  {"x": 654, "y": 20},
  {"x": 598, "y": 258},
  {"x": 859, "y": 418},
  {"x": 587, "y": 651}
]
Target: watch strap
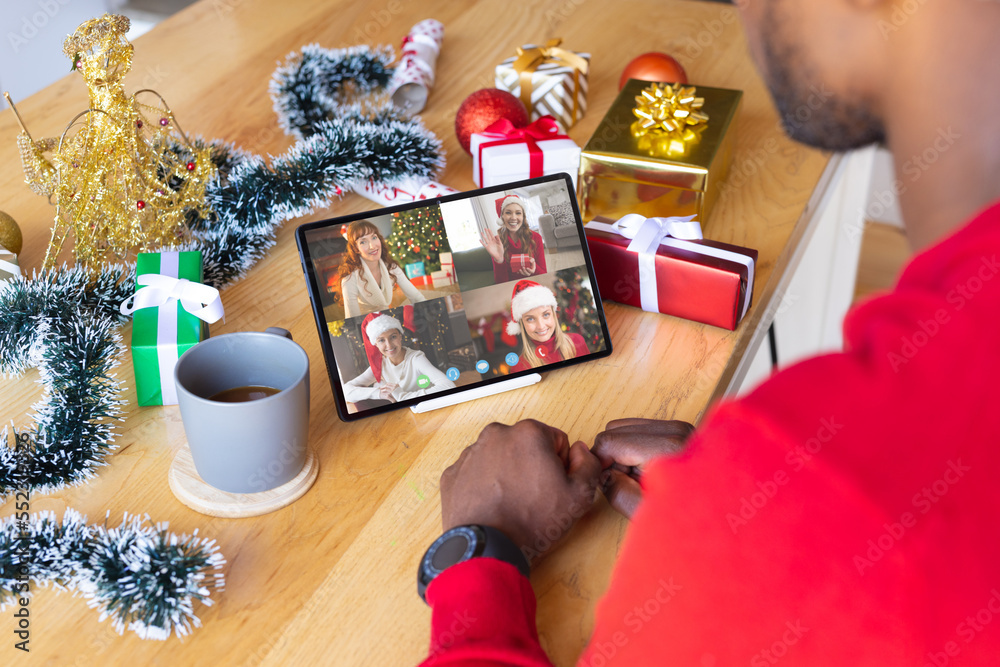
[
  {"x": 501, "y": 547},
  {"x": 490, "y": 543}
]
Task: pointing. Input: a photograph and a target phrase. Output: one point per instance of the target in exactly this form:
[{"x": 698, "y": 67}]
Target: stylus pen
[{"x": 477, "y": 392}]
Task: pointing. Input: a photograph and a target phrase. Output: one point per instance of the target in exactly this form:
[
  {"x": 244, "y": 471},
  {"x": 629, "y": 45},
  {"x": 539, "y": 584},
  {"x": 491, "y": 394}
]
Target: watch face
[
  {"x": 450, "y": 552},
  {"x": 456, "y": 545}
]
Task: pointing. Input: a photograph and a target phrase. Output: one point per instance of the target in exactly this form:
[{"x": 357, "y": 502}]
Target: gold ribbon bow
[
  {"x": 528, "y": 60},
  {"x": 669, "y": 118}
]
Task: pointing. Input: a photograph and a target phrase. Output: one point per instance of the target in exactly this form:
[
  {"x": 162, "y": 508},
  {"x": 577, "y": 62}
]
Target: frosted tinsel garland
[
  {"x": 143, "y": 577},
  {"x": 67, "y": 325}
]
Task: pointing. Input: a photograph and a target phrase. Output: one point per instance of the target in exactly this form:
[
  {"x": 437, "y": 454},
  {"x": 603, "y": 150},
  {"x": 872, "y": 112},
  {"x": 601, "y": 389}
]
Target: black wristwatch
[{"x": 462, "y": 543}]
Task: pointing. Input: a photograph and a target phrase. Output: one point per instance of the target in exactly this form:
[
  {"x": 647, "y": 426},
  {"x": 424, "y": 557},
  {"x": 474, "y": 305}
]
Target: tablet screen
[{"x": 440, "y": 295}]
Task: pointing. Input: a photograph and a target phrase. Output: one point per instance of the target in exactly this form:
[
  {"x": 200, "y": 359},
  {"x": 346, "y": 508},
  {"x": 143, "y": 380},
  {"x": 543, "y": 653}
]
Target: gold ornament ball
[{"x": 10, "y": 234}]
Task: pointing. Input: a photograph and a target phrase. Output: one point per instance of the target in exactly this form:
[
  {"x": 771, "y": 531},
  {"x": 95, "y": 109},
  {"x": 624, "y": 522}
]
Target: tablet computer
[{"x": 441, "y": 296}]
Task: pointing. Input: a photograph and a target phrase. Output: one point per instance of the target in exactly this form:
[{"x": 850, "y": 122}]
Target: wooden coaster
[{"x": 191, "y": 490}]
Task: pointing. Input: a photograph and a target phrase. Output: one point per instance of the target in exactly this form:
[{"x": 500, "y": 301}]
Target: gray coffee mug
[{"x": 254, "y": 445}]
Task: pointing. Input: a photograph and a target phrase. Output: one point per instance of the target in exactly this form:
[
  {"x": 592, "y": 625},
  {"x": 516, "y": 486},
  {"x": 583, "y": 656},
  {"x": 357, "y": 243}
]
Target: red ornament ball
[
  {"x": 653, "y": 66},
  {"x": 140, "y": 204},
  {"x": 485, "y": 107},
  {"x": 190, "y": 166}
]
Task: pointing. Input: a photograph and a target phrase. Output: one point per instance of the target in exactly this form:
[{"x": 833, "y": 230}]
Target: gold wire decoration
[
  {"x": 669, "y": 118},
  {"x": 123, "y": 175}
]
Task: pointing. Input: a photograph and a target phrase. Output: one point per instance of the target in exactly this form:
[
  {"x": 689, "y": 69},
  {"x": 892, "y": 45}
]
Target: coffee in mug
[
  {"x": 244, "y": 394},
  {"x": 253, "y": 444}
]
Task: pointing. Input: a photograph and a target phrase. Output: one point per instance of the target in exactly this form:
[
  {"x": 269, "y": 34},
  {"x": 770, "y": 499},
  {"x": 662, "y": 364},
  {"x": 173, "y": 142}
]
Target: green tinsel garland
[
  {"x": 144, "y": 577},
  {"x": 67, "y": 325}
]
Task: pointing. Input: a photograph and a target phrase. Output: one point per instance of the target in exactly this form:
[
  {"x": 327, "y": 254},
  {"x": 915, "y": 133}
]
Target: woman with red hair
[{"x": 369, "y": 274}]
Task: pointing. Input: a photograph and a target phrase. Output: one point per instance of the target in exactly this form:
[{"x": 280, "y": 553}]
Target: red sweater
[
  {"x": 549, "y": 353},
  {"x": 502, "y": 272},
  {"x": 844, "y": 513}
]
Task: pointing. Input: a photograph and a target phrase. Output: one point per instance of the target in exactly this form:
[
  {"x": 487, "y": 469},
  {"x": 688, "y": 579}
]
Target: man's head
[{"x": 821, "y": 62}]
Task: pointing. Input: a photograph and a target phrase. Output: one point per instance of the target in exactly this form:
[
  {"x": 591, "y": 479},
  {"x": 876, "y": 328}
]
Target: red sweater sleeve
[
  {"x": 483, "y": 613},
  {"x": 539, "y": 254},
  {"x": 844, "y": 513},
  {"x": 501, "y": 272}
]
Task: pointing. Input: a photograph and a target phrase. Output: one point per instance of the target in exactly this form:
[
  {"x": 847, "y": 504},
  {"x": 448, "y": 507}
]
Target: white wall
[{"x": 31, "y": 42}]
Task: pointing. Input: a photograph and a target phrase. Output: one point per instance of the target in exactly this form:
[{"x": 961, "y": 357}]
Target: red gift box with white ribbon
[
  {"x": 503, "y": 153},
  {"x": 518, "y": 262},
  {"x": 663, "y": 265}
]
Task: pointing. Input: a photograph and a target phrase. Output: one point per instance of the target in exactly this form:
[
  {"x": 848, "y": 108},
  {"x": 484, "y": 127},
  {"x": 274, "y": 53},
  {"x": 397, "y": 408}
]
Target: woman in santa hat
[
  {"x": 395, "y": 372},
  {"x": 516, "y": 251},
  {"x": 369, "y": 274},
  {"x": 533, "y": 312}
]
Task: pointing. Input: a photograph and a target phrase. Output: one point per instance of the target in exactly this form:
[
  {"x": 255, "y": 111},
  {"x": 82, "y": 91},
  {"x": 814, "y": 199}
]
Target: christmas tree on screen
[
  {"x": 577, "y": 312},
  {"x": 418, "y": 236}
]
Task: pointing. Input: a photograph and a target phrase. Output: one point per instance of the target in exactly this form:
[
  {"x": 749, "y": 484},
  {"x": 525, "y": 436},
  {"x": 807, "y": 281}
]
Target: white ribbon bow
[
  {"x": 202, "y": 301},
  {"x": 646, "y": 235}
]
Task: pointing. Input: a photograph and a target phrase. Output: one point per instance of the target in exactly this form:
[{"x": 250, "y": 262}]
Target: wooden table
[{"x": 331, "y": 579}]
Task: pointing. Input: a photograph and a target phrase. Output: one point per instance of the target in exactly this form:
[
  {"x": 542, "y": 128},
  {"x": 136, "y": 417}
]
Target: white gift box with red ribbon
[
  {"x": 503, "y": 154},
  {"x": 444, "y": 277}
]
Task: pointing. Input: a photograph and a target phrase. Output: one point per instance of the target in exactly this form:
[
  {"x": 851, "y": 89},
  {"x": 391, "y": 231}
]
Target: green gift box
[{"x": 168, "y": 319}]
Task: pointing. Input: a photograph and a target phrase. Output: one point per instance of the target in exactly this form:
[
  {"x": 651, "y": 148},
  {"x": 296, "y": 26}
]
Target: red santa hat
[
  {"x": 527, "y": 295},
  {"x": 373, "y": 326},
  {"x": 507, "y": 200}
]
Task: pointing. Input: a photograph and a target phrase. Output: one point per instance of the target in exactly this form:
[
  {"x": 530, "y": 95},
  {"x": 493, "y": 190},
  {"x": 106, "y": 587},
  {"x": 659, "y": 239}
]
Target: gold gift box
[{"x": 621, "y": 173}]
